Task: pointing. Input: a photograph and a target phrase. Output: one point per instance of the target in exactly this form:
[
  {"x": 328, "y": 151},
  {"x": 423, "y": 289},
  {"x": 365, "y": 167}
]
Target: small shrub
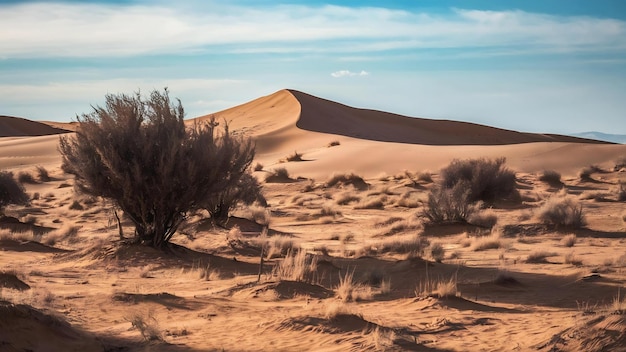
[
  {"x": 446, "y": 205},
  {"x": 333, "y": 144},
  {"x": 409, "y": 200},
  {"x": 344, "y": 291},
  {"x": 412, "y": 244},
  {"x": 76, "y": 205},
  {"x": 425, "y": 176},
  {"x": 11, "y": 192},
  {"x": 620, "y": 164},
  {"x": 570, "y": 258},
  {"x": 551, "y": 177},
  {"x": 294, "y": 157},
  {"x": 585, "y": 174},
  {"x": 43, "y": 174},
  {"x": 346, "y": 198},
  {"x": 437, "y": 252},
  {"x": 147, "y": 325},
  {"x": 437, "y": 288},
  {"x": 569, "y": 240},
  {"x": 25, "y": 177},
  {"x": 560, "y": 211},
  {"x": 258, "y": 167},
  {"x": 347, "y": 179},
  {"x": 278, "y": 175}
]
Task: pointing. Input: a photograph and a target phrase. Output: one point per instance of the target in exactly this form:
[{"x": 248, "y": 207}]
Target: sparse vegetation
[
  {"x": 484, "y": 218},
  {"x": 258, "y": 167},
  {"x": 296, "y": 266},
  {"x": 561, "y": 211},
  {"x": 437, "y": 288},
  {"x": 437, "y": 252},
  {"x": 569, "y": 240},
  {"x": 333, "y": 144},
  {"x": 345, "y": 198},
  {"x": 147, "y": 325},
  {"x": 26, "y": 177},
  {"x": 551, "y": 177},
  {"x": 278, "y": 175},
  {"x": 571, "y": 258},
  {"x": 294, "y": 157},
  {"x": 347, "y": 179},
  {"x": 483, "y": 243},
  {"x": 11, "y": 192},
  {"x": 448, "y": 205},
  {"x": 539, "y": 257},
  {"x": 43, "y": 174},
  {"x": 140, "y": 154}
]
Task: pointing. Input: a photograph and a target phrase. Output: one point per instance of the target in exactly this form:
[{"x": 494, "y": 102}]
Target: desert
[{"x": 348, "y": 254}]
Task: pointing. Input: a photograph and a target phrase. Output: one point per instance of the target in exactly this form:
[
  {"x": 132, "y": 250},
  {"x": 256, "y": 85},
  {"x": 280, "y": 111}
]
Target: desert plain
[{"x": 350, "y": 261}]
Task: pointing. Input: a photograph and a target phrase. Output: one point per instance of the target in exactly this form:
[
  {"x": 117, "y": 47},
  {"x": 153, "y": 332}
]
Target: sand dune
[{"x": 19, "y": 127}]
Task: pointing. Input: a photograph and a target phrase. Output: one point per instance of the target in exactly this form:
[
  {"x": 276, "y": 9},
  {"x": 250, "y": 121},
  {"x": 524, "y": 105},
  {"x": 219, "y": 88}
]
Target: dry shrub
[
  {"x": 138, "y": 152},
  {"x": 297, "y": 266},
  {"x": 446, "y": 205},
  {"x": 539, "y": 257},
  {"x": 620, "y": 164},
  {"x": 259, "y": 214},
  {"x": 258, "y": 167},
  {"x": 76, "y": 205},
  {"x": 409, "y": 199},
  {"x": 329, "y": 210},
  {"x": 624, "y": 217},
  {"x": 586, "y": 173},
  {"x": 343, "y": 180},
  {"x": 571, "y": 258},
  {"x": 26, "y": 177},
  {"x": 280, "y": 246},
  {"x": 68, "y": 233},
  {"x": 147, "y": 325},
  {"x": 294, "y": 157},
  {"x": 278, "y": 175},
  {"x": 345, "y": 198},
  {"x": 483, "y": 218},
  {"x": 42, "y": 174},
  {"x": 425, "y": 176},
  {"x": 246, "y": 191},
  {"x": 333, "y": 144},
  {"x": 551, "y": 177},
  {"x": 569, "y": 240},
  {"x": 484, "y": 179},
  {"x": 561, "y": 211},
  {"x": 11, "y": 192},
  {"x": 437, "y": 252}
]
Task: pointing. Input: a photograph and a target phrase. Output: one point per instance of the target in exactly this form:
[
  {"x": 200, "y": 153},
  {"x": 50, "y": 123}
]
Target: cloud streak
[
  {"x": 348, "y": 73},
  {"x": 98, "y": 30}
]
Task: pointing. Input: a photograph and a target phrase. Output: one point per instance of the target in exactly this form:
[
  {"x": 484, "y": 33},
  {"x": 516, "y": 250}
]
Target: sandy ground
[{"x": 67, "y": 284}]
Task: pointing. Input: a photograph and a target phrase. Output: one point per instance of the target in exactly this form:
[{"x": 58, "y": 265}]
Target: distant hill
[
  {"x": 19, "y": 127},
  {"x": 614, "y": 138}
]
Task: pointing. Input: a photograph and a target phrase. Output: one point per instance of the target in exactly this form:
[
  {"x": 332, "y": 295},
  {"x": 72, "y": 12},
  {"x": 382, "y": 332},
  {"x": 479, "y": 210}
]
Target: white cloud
[
  {"x": 99, "y": 30},
  {"x": 347, "y": 73}
]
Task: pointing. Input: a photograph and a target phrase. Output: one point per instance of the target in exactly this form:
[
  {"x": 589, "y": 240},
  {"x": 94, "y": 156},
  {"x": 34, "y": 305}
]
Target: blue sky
[{"x": 530, "y": 65}]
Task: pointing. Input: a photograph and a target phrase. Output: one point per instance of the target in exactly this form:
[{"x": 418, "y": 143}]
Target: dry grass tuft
[
  {"x": 297, "y": 266},
  {"x": 147, "y": 325},
  {"x": 437, "y": 288},
  {"x": 42, "y": 174},
  {"x": 343, "y": 180},
  {"x": 539, "y": 257},
  {"x": 483, "y": 243},
  {"x": 278, "y": 175},
  {"x": 409, "y": 199},
  {"x": 484, "y": 218},
  {"x": 26, "y": 177},
  {"x": 394, "y": 225},
  {"x": 437, "y": 252},
  {"x": 345, "y": 198},
  {"x": 294, "y": 157},
  {"x": 571, "y": 258},
  {"x": 569, "y": 240},
  {"x": 375, "y": 202}
]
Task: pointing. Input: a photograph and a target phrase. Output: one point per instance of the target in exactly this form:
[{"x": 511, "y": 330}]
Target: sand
[{"x": 86, "y": 292}]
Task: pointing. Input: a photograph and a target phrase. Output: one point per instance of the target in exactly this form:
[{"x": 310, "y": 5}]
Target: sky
[{"x": 529, "y": 65}]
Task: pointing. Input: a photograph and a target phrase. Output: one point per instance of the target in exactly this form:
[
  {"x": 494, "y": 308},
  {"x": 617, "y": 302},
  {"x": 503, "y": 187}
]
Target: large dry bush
[
  {"x": 138, "y": 152},
  {"x": 465, "y": 184},
  {"x": 246, "y": 190},
  {"x": 11, "y": 192},
  {"x": 485, "y": 179}
]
